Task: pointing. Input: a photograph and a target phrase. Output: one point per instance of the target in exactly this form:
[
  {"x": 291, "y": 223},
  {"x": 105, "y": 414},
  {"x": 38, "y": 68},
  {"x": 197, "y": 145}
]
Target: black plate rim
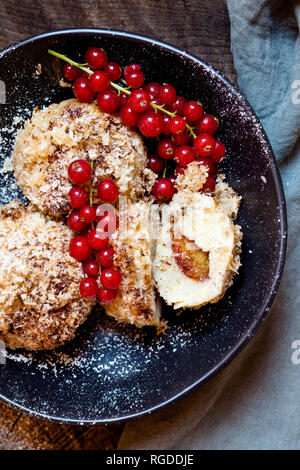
[{"x": 248, "y": 335}]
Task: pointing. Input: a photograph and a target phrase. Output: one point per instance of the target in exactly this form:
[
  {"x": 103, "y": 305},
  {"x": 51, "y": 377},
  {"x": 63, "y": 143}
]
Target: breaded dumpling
[
  {"x": 197, "y": 251},
  {"x": 70, "y": 130},
  {"x": 40, "y": 303},
  {"x": 136, "y": 302},
  {"x": 193, "y": 178}
]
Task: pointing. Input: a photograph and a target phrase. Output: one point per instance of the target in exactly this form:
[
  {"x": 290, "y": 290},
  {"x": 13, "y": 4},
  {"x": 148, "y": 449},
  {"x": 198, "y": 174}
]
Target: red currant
[
  {"x": 185, "y": 155},
  {"x": 90, "y": 268},
  {"x": 82, "y": 90},
  {"x": 219, "y": 151},
  {"x": 153, "y": 89},
  {"x": 157, "y": 102},
  {"x": 129, "y": 116},
  {"x": 99, "y": 81},
  {"x": 179, "y": 170},
  {"x": 209, "y": 185},
  {"x": 166, "y": 130},
  {"x": 193, "y": 110},
  {"x": 106, "y": 295},
  {"x": 205, "y": 161},
  {"x": 114, "y": 71},
  {"x": 79, "y": 171},
  {"x": 166, "y": 149},
  {"x": 214, "y": 171},
  {"x": 96, "y": 58},
  {"x": 139, "y": 100},
  {"x": 167, "y": 94},
  {"x": 70, "y": 73},
  {"x": 107, "y": 190},
  {"x": 88, "y": 214},
  {"x": 80, "y": 248},
  {"x": 163, "y": 190},
  {"x": 106, "y": 257},
  {"x": 177, "y": 125},
  {"x": 172, "y": 179},
  {"x": 208, "y": 124},
  {"x": 84, "y": 74},
  {"x": 97, "y": 239},
  {"x": 178, "y": 105},
  {"x": 75, "y": 222},
  {"x": 108, "y": 223},
  {"x": 108, "y": 101},
  {"x": 123, "y": 98},
  {"x": 88, "y": 288},
  {"x": 135, "y": 79},
  {"x": 204, "y": 144},
  {"x": 181, "y": 139},
  {"x": 150, "y": 124},
  {"x": 78, "y": 197},
  {"x": 155, "y": 164},
  {"x": 131, "y": 68},
  {"x": 110, "y": 278}
]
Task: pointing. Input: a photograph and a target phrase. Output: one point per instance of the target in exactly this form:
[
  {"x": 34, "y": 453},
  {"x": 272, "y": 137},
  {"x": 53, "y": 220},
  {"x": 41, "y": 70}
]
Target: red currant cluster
[
  {"x": 155, "y": 109},
  {"x": 91, "y": 247}
]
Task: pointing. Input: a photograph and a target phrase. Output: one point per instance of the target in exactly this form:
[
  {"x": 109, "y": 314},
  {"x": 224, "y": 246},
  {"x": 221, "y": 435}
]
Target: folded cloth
[{"x": 254, "y": 403}]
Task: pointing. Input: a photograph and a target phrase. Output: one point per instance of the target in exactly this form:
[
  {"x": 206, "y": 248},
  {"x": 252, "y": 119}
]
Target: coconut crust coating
[
  {"x": 40, "y": 303},
  {"x": 192, "y": 179},
  {"x": 136, "y": 302},
  {"x": 61, "y": 133}
]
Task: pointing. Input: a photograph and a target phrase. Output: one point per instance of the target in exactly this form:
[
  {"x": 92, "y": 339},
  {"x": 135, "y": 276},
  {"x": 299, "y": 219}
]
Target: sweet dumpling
[{"x": 197, "y": 252}]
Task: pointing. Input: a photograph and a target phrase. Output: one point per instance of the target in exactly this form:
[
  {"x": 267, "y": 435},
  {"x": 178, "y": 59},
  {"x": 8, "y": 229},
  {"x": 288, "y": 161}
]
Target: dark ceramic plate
[{"x": 110, "y": 372}]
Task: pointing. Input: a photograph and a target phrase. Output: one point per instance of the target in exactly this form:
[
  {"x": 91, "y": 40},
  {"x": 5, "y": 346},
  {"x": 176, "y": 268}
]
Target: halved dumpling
[
  {"x": 197, "y": 251},
  {"x": 136, "y": 302}
]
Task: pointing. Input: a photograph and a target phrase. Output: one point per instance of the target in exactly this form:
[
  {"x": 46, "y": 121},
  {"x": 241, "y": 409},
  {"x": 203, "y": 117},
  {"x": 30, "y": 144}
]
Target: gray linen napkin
[{"x": 255, "y": 402}]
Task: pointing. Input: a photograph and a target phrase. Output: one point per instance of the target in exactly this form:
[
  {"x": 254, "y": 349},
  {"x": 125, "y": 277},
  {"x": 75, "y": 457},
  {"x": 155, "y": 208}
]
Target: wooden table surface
[{"x": 201, "y": 28}]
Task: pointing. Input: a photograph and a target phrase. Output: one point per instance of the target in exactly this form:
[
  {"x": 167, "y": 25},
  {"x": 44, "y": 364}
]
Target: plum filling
[{"x": 191, "y": 260}]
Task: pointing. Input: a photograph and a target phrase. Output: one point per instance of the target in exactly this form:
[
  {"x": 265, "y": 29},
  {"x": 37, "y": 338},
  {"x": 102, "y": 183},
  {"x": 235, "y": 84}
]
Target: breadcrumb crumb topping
[{"x": 193, "y": 178}]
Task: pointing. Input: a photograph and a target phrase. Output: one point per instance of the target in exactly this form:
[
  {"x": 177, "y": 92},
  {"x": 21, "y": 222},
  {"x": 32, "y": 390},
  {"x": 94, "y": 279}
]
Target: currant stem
[
  {"x": 70, "y": 61},
  {"x": 165, "y": 170},
  {"x": 120, "y": 88},
  {"x": 191, "y": 130},
  {"x": 161, "y": 108}
]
